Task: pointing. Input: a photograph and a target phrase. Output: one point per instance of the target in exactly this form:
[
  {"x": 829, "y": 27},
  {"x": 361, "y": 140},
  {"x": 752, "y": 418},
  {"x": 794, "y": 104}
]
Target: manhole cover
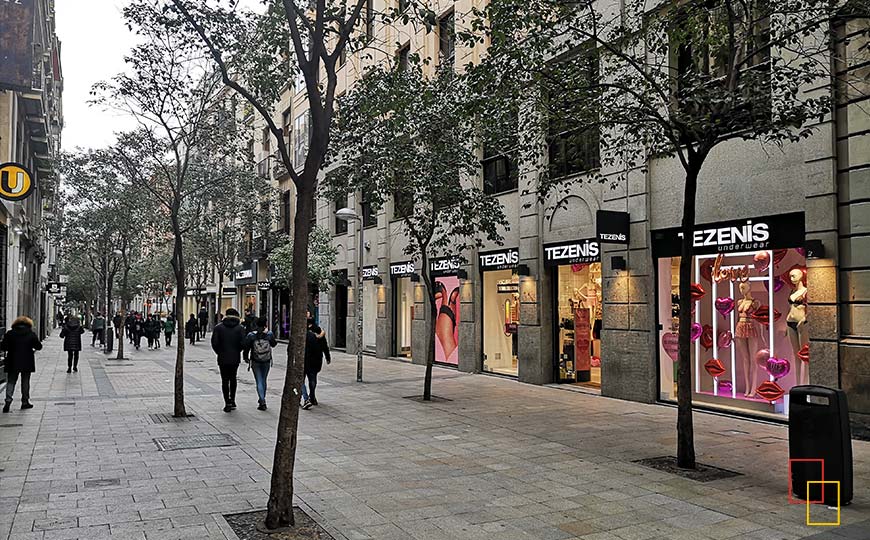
[
  {"x": 217, "y": 440},
  {"x": 163, "y": 418},
  {"x": 11, "y": 425},
  {"x": 103, "y": 483},
  {"x": 65, "y": 403}
]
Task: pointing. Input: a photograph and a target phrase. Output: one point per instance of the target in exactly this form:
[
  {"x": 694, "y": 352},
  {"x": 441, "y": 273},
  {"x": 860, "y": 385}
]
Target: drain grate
[
  {"x": 217, "y": 440},
  {"x": 106, "y": 482},
  {"x": 11, "y": 425},
  {"x": 164, "y": 418},
  {"x": 65, "y": 403},
  {"x": 730, "y": 432}
]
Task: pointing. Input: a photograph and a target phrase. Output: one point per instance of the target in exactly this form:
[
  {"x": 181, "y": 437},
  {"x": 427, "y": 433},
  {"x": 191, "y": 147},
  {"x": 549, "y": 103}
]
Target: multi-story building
[
  {"x": 556, "y": 306},
  {"x": 31, "y": 120}
]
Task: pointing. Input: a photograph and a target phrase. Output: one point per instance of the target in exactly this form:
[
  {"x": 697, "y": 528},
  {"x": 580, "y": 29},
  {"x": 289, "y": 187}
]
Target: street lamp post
[{"x": 347, "y": 214}]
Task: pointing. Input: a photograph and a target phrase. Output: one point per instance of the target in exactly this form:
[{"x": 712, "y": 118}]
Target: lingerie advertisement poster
[
  {"x": 582, "y": 340},
  {"x": 447, "y": 320}
]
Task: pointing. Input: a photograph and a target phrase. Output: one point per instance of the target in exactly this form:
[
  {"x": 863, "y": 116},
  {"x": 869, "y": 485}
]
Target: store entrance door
[
  {"x": 341, "y": 311},
  {"x": 403, "y": 314}
]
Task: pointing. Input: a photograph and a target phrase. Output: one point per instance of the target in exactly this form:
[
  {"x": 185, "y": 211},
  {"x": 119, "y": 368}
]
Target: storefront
[
  {"x": 501, "y": 310},
  {"x": 575, "y": 269},
  {"x": 246, "y": 281},
  {"x": 339, "y": 309},
  {"x": 444, "y": 272},
  {"x": 263, "y": 288},
  {"x": 371, "y": 281},
  {"x": 750, "y": 343},
  {"x": 404, "y": 280},
  {"x": 228, "y": 300}
]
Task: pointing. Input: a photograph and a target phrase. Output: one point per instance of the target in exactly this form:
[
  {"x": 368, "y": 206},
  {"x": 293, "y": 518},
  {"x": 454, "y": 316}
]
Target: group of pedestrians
[{"x": 138, "y": 325}]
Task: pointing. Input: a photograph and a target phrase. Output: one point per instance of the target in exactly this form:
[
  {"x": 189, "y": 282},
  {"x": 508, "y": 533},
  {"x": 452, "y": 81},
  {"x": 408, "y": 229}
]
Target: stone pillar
[
  {"x": 384, "y": 323},
  {"x": 470, "y": 322}
]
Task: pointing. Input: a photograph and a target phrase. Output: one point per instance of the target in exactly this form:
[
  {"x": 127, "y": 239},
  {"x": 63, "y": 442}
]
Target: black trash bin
[
  {"x": 818, "y": 428},
  {"x": 110, "y": 339}
]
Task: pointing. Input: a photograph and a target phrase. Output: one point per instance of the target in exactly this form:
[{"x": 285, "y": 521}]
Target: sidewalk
[{"x": 500, "y": 461}]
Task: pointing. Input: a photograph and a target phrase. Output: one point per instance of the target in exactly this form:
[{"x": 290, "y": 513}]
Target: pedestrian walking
[
  {"x": 203, "y": 321},
  {"x": 138, "y": 330},
  {"x": 98, "y": 329},
  {"x": 258, "y": 354},
  {"x": 227, "y": 341},
  {"x": 316, "y": 348},
  {"x": 20, "y": 343},
  {"x": 191, "y": 327},
  {"x": 129, "y": 324},
  {"x": 158, "y": 329},
  {"x": 168, "y": 330},
  {"x": 72, "y": 342}
]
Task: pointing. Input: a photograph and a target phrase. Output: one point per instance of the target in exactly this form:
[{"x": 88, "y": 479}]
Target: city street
[{"x": 499, "y": 460}]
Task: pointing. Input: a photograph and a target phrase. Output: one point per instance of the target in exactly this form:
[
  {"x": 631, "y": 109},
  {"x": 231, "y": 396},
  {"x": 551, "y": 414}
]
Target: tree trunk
[
  {"x": 178, "y": 266},
  {"x": 685, "y": 428},
  {"x": 430, "y": 337},
  {"x": 280, "y": 507}
]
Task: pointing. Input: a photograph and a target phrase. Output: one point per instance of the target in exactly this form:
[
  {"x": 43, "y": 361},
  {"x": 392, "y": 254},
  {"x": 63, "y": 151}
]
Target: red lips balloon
[
  {"x": 714, "y": 367},
  {"x": 707, "y": 337},
  {"x": 779, "y": 255},
  {"x": 698, "y": 292},
  {"x": 707, "y": 270},
  {"x": 770, "y": 391},
  {"x": 804, "y": 353},
  {"x": 762, "y": 315}
]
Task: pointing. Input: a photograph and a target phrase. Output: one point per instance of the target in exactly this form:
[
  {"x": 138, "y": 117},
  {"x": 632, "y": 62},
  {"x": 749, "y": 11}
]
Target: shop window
[
  {"x": 573, "y": 135},
  {"x": 340, "y": 224},
  {"x": 369, "y": 217},
  {"x": 447, "y": 306},
  {"x": 501, "y": 318},
  {"x": 750, "y": 342},
  {"x": 578, "y": 316},
  {"x": 500, "y": 174},
  {"x": 446, "y": 41}
]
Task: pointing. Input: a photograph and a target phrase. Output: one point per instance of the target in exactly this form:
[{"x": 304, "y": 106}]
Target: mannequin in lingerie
[
  {"x": 797, "y": 323},
  {"x": 745, "y": 337}
]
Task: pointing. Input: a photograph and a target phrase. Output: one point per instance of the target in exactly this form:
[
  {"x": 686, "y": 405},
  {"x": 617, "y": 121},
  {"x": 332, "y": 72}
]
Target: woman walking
[
  {"x": 258, "y": 354},
  {"x": 72, "y": 342},
  {"x": 168, "y": 329},
  {"x": 20, "y": 343}
]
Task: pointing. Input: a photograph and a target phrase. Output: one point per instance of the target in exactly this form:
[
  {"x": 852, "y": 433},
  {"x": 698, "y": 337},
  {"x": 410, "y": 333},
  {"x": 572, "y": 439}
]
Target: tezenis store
[
  {"x": 444, "y": 272},
  {"x": 403, "y": 278},
  {"x": 575, "y": 269},
  {"x": 501, "y": 310},
  {"x": 750, "y": 342}
]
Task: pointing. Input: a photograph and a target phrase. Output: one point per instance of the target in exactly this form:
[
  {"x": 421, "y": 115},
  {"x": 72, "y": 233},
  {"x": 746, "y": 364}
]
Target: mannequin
[
  {"x": 745, "y": 337},
  {"x": 797, "y": 322}
]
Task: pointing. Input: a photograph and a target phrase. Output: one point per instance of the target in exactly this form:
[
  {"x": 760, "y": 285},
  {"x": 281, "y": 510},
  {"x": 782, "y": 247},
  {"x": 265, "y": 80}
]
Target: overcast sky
[{"x": 94, "y": 41}]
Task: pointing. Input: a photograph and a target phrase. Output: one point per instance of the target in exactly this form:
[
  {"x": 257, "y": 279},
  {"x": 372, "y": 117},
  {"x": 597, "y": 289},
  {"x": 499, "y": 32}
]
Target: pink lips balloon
[
  {"x": 697, "y": 330},
  {"x": 724, "y": 339},
  {"x": 778, "y": 367},
  {"x": 671, "y": 345},
  {"x": 724, "y": 305},
  {"x": 761, "y": 358},
  {"x": 761, "y": 261}
]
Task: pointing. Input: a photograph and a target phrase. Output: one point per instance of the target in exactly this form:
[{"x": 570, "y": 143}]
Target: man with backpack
[{"x": 258, "y": 355}]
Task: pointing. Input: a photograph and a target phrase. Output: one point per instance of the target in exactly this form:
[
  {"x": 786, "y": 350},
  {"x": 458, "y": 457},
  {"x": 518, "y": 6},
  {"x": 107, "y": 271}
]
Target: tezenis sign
[
  {"x": 574, "y": 252},
  {"x": 402, "y": 269},
  {"x": 506, "y": 259},
  {"x": 444, "y": 266},
  {"x": 370, "y": 272},
  {"x": 612, "y": 227},
  {"x": 753, "y": 234}
]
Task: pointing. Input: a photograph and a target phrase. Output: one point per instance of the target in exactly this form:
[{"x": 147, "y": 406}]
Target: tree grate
[
  {"x": 702, "y": 473},
  {"x": 163, "y": 418},
  {"x": 217, "y": 440}
]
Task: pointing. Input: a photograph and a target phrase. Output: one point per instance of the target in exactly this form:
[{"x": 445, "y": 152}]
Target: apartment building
[
  {"x": 31, "y": 120},
  {"x": 556, "y": 305}
]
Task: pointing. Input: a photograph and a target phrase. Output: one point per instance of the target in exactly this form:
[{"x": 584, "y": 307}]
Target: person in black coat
[
  {"x": 191, "y": 327},
  {"x": 227, "y": 341},
  {"x": 316, "y": 348},
  {"x": 72, "y": 342},
  {"x": 20, "y": 343}
]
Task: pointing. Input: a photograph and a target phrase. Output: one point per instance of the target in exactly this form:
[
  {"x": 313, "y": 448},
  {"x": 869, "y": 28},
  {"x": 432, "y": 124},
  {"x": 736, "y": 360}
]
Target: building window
[
  {"x": 267, "y": 140},
  {"x": 370, "y": 19},
  {"x": 403, "y": 5},
  {"x": 402, "y": 57},
  {"x": 500, "y": 173},
  {"x": 369, "y": 217},
  {"x": 284, "y": 212},
  {"x": 301, "y": 129},
  {"x": 573, "y": 136},
  {"x": 286, "y": 123},
  {"x": 403, "y": 204},
  {"x": 340, "y": 224},
  {"x": 447, "y": 41},
  {"x": 342, "y": 57}
]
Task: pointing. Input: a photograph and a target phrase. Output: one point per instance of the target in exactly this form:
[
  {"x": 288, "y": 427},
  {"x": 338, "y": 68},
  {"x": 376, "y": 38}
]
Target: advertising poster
[
  {"x": 582, "y": 332},
  {"x": 447, "y": 321}
]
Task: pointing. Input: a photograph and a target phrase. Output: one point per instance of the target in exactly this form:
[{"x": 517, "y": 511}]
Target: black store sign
[
  {"x": 770, "y": 232},
  {"x": 229, "y": 291},
  {"x": 612, "y": 227},
  {"x": 444, "y": 266},
  {"x": 247, "y": 275},
  {"x": 402, "y": 269},
  {"x": 264, "y": 286},
  {"x": 573, "y": 252},
  {"x": 505, "y": 259},
  {"x": 369, "y": 272}
]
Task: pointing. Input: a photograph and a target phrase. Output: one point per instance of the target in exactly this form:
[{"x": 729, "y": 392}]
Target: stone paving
[{"x": 499, "y": 461}]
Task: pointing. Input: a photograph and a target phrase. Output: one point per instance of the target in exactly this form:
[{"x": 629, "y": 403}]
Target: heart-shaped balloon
[
  {"x": 707, "y": 270},
  {"x": 761, "y": 358},
  {"x": 778, "y": 367},
  {"x": 761, "y": 261},
  {"x": 595, "y": 361},
  {"x": 801, "y": 251},
  {"x": 707, "y": 337},
  {"x": 779, "y": 255},
  {"x": 724, "y": 305},
  {"x": 778, "y": 283},
  {"x": 698, "y": 292},
  {"x": 724, "y": 339},
  {"x": 697, "y": 330},
  {"x": 725, "y": 386},
  {"x": 714, "y": 367},
  {"x": 770, "y": 391},
  {"x": 804, "y": 353},
  {"x": 671, "y": 345}
]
